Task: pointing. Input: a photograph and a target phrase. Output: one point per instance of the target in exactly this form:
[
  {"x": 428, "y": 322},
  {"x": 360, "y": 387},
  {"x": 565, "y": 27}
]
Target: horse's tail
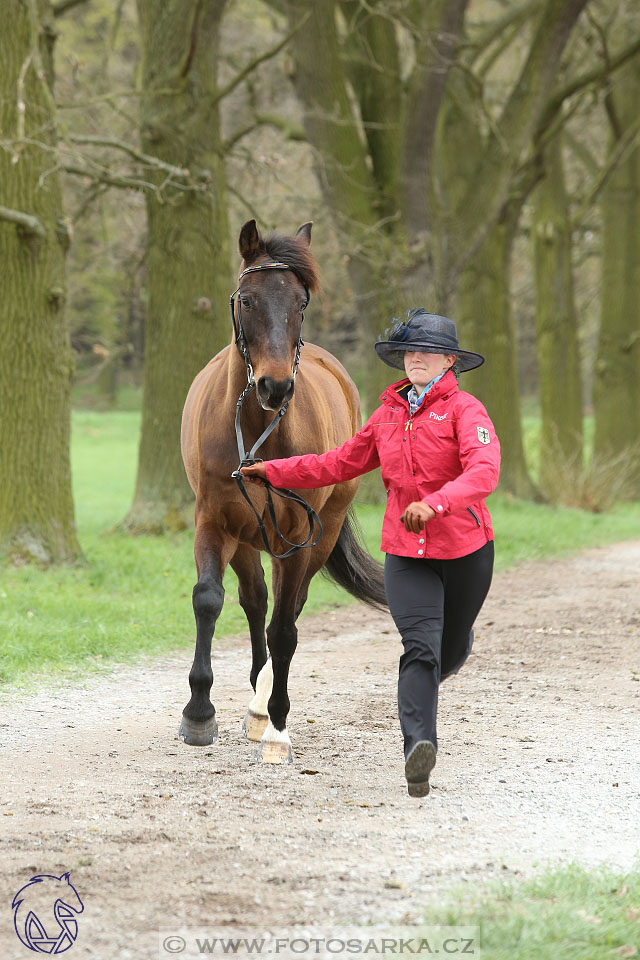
[{"x": 353, "y": 568}]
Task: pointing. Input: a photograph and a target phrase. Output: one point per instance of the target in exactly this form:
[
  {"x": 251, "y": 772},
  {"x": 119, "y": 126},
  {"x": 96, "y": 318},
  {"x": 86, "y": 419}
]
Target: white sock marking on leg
[
  {"x": 264, "y": 683},
  {"x": 271, "y": 735}
]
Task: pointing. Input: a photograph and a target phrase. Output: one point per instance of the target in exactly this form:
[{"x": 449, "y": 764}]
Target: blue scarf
[{"x": 415, "y": 400}]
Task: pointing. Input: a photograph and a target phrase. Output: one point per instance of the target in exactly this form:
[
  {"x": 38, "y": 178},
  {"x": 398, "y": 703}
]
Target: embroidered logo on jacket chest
[{"x": 437, "y": 416}]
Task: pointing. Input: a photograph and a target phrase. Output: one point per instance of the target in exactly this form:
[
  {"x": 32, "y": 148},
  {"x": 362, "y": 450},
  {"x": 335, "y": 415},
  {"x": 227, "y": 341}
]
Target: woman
[{"x": 439, "y": 458}]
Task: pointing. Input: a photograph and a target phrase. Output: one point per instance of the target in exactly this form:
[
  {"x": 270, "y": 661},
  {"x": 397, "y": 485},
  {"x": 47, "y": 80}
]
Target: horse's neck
[{"x": 237, "y": 377}]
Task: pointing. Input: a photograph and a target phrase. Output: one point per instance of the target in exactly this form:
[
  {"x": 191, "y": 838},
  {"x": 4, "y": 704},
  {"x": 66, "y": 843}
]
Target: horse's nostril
[{"x": 275, "y": 390}]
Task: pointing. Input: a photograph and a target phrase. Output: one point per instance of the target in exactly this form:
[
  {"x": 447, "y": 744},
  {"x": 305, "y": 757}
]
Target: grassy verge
[
  {"x": 133, "y": 595},
  {"x": 569, "y": 913}
]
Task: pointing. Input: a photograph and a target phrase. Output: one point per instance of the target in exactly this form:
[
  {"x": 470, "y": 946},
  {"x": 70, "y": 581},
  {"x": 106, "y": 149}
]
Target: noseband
[{"x": 250, "y": 458}]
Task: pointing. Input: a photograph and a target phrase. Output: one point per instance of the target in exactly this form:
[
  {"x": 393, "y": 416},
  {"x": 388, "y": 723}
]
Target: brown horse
[{"x": 323, "y": 413}]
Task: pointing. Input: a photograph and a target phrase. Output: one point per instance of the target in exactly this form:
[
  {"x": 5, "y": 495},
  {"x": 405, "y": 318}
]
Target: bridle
[{"x": 250, "y": 458}]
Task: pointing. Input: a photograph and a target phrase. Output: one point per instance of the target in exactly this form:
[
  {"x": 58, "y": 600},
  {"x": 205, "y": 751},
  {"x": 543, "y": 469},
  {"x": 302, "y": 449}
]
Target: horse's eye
[
  {"x": 304, "y": 305},
  {"x": 246, "y": 302}
]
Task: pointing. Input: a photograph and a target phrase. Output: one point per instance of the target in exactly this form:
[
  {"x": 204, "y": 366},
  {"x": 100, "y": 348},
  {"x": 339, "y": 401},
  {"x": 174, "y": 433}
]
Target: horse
[{"x": 267, "y": 365}]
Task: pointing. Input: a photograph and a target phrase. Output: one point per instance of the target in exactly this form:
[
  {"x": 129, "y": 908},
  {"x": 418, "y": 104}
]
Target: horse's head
[{"x": 270, "y": 307}]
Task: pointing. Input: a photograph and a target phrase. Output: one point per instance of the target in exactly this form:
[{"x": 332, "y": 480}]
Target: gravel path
[{"x": 539, "y": 761}]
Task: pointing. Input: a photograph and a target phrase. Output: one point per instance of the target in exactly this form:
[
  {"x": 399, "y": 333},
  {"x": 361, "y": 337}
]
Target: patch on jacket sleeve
[{"x": 483, "y": 435}]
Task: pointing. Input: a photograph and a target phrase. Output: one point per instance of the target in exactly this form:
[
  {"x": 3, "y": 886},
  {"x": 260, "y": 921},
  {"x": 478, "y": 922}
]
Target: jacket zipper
[{"x": 474, "y": 516}]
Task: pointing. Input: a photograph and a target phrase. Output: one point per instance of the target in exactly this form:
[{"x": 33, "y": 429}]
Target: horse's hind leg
[
  {"x": 252, "y": 594},
  {"x": 198, "y": 726}
]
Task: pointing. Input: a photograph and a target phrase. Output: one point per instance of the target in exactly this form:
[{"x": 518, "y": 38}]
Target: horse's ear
[
  {"x": 304, "y": 232},
  {"x": 249, "y": 242}
]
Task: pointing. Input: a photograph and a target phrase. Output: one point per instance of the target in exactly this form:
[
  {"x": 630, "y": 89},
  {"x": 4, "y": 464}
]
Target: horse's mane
[{"x": 296, "y": 253}]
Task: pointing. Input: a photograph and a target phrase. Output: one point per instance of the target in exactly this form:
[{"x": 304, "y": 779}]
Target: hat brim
[{"x": 392, "y": 353}]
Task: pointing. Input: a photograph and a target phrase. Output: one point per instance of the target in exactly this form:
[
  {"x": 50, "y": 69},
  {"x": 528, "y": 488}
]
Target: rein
[{"x": 250, "y": 458}]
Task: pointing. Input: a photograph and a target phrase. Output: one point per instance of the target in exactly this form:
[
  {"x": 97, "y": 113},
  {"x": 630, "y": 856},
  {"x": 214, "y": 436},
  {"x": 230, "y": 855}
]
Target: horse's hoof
[
  {"x": 274, "y": 753},
  {"x": 275, "y": 746},
  {"x": 254, "y": 725},
  {"x": 198, "y": 734}
]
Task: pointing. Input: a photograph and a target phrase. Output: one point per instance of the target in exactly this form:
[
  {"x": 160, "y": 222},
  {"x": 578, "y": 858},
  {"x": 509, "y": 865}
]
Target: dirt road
[{"x": 539, "y": 761}]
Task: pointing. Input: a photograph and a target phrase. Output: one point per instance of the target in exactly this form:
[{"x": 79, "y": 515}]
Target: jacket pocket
[{"x": 475, "y": 516}]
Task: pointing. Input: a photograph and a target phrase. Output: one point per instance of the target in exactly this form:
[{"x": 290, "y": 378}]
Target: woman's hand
[
  {"x": 256, "y": 473},
  {"x": 416, "y": 515}
]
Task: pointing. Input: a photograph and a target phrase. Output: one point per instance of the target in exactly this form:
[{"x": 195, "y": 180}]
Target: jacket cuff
[{"x": 438, "y": 503}]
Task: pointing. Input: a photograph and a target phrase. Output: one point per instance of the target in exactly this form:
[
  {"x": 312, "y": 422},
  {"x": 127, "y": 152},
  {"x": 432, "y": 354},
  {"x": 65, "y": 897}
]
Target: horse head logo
[{"x": 44, "y": 912}]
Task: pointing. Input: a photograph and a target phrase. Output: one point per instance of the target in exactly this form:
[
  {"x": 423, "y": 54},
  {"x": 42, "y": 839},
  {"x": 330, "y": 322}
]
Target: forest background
[{"x": 478, "y": 157}]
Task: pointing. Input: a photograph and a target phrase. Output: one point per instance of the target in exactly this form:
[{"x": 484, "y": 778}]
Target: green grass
[
  {"x": 132, "y": 597},
  {"x": 530, "y": 531},
  {"x": 569, "y": 913}
]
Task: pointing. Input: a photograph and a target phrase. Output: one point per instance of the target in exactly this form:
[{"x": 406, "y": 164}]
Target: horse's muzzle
[{"x": 273, "y": 393}]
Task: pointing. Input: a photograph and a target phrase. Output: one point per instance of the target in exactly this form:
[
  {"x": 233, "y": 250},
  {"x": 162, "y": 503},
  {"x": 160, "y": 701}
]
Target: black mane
[{"x": 296, "y": 253}]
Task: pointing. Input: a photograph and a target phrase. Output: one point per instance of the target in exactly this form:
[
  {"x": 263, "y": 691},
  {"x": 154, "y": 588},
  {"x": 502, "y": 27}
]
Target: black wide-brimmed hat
[{"x": 428, "y": 332}]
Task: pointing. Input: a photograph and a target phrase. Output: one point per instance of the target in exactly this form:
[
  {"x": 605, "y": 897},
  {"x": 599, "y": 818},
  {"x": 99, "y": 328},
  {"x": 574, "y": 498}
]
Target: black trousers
[{"x": 434, "y": 604}]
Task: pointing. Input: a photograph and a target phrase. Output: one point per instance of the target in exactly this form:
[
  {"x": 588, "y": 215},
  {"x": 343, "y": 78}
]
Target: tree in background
[
  {"x": 188, "y": 258},
  {"x": 416, "y": 209},
  {"x": 371, "y": 129},
  {"x": 36, "y": 366},
  {"x": 561, "y": 435},
  {"x": 616, "y": 393},
  {"x": 96, "y": 56},
  {"x": 484, "y": 298}
]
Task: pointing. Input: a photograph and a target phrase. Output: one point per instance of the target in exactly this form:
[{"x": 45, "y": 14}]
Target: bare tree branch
[
  {"x": 236, "y": 137},
  {"x": 124, "y": 182},
  {"x": 112, "y": 180},
  {"x": 28, "y": 223},
  {"x": 601, "y": 72},
  {"x": 180, "y": 172},
  {"x": 251, "y": 66},
  {"x": 95, "y": 191},
  {"x": 115, "y": 95},
  {"x": 291, "y": 130},
  {"x": 63, "y": 5},
  {"x": 627, "y": 143},
  {"x": 487, "y": 33},
  {"x": 582, "y": 152}
]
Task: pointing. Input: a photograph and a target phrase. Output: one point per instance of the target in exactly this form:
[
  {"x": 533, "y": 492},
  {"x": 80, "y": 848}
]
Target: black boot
[{"x": 419, "y": 764}]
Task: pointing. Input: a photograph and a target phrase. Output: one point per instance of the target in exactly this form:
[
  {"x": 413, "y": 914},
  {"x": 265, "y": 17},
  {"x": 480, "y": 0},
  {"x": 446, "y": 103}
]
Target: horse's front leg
[
  {"x": 252, "y": 594},
  {"x": 282, "y": 639},
  {"x": 198, "y": 726}
]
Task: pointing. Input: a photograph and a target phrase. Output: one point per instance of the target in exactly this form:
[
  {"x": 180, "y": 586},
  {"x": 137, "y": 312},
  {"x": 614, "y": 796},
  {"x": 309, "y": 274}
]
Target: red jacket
[{"x": 446, "y": 455}]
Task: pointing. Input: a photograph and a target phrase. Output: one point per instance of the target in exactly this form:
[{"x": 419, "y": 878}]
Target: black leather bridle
[{"x": 247, "y": 459}]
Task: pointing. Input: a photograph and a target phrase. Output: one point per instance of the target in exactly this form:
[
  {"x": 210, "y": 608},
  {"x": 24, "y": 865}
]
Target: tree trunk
[
  {"x": 36, "y": 365},
  {"x": 486, "y": 321},
  {"x": 482, "y": 202},
  {"x": 188, "y": 270},
  {"x": 483, "y": 298},
  {"x": 347, "y": 179},
  {"x": 556, "y": 334},
  {"x": 616, "y": 390},
  {"x": 434, "y": 235}
]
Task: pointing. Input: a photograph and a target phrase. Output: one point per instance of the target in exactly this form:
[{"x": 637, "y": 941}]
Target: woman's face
[{"x": 422, "y": 367}]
